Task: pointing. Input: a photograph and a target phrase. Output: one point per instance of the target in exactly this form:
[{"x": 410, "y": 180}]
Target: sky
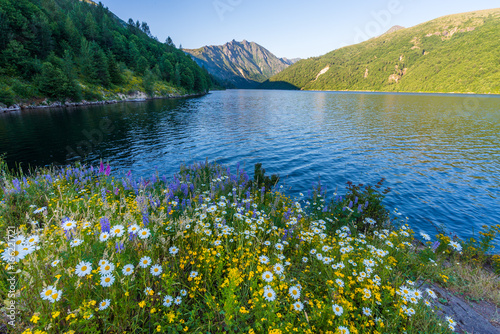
[{"x": 287, "y": 28}]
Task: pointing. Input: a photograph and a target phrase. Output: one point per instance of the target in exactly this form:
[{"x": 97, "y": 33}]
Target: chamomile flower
[
  {"x": 68, "y": 225},
  {"x": 32, "y": 240},
  {"x": 370, "y": 221},
  {"x": 55, "y": 296},
  {"x": 298, "y": 306},
  {"x": 304, "y": 259},
  {"x": 173, "y": 250},
  {"x": 107, "y": 280},
  {"x": 54, "y": 263},
  {"x": 133, "y": 229},
  {"x": 86, "y": 225},
  {"x": 177, "y": 300},
  {"x": 294, "y": 292},
  {"x": 267, "y": 243},
  {"x": 47, "y": 292},
  {"x": 279, "y": 246},
  {"x": 168, "y": 300},
  {"x": 425, "y": 236},
  {"x": 148, "y": 291},
  {"x": 117, "y": 231},
  {"x": 431, "y": 293},
  {"x": 144, "y": 233},
  {"x": 107, "y": 268},
  {"x": 367, "y": 311},
  {"x": 128, "y": 270},
  {"x": 193, "y": 274},
  {"x": 337, "y": 309},
  {"x": 76, "y": 242},
  {"x": 264, "y": 259},
  {"x": 156, "y": 270},
  {"x": 343, "y": 330},
  {"x": 456, "y": 246},
  {"x": 104, "y": 236},
  {"x": 269, "y": 294},
  {"x": 144, "y": 262},
  {"x": 83, "y": 269},
  {"x": 278, "y": 268},
  {"x": 183, "y": 293},
  {"x": 267, "y": 276},
  {"x": 104, "y": 304},
  {"x": 451, "y": 322}
]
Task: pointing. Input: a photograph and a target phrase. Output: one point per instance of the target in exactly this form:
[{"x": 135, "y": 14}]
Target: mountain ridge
[
  {"x": 454, "y": 53},
  {"x": 239, "y": 64}
]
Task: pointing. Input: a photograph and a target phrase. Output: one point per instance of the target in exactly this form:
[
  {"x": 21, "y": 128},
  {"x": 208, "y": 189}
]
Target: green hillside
[
  {"x": 455, "y": 53},
  {"x": 73, "y": 50},
  {"x": 239, "y": 64}
]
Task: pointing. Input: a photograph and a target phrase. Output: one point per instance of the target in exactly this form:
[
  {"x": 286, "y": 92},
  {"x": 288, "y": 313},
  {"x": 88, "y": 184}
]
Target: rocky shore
[{"x": 57, "y": 104}]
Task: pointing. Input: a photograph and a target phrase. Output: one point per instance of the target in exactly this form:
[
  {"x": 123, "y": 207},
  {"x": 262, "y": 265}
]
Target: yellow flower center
[
  {"x": 107, "y": 279},
  {"x": 84, "y": 268},
  {"x": 269, "y": 294},
  {"x": 106, "y": 268},
  {"x": 55, "y": 295},
  {"x": 48, "y": 292},
  {"x": 18, "y": 242},
  {"x": 103, "y": 304}
]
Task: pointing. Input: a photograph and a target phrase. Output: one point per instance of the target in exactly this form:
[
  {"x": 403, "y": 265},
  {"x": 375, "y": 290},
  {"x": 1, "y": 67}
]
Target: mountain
[
  {"x": 73, "y": 50},
  {"x": 455, "y": 53},
  {"x": 239, "y": 64}
]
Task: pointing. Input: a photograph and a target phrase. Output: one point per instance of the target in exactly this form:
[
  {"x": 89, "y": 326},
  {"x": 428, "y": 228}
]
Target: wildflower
[
  {"x": 68, "y": 225},
  {"x": 104, "y": 304},
  {"x": 32, "y": 240},
  {"x": 294, "y": 291},
  {"x": 183, "y": 293},
  {"x": 343, "y": 330},
  {"x": 456, "y": 246},
  {"x": 264, "y": 259},
  {"x": 298, "y": 306},
  {"x": 107, "y": 268},
  {"x": 367, "y": 311},
  {"x": 54, "y": 263},
  {"x": 177, "y": 300},
  {"x": 425, "y": 236},
  {"x": 269, "y": 294},
  {"x": 55, "y": 296},
  {"x": 410, "y": 311},
  {"x": 133, "y": 229},
  {"x": 267, "y": 276},
  {"x": 427, "y": 303},
  {"x": 117, "y": 231},
  {"x": 304, "y": 259},
  {"x": 104, "y": 236},
  {"x": 142, "y": 304},
  {"x": 144, "y": 233},
  {"x": 167, "y": 301},
  {"x": 339, "y": 282},
  {"x": 338, "y": 310},
  {"x": 86, "y": 225},
  {"x": 107, "y": 280},
  {"x": 47, "y": 292},
  {"x": 193, "y": 274},
  {"x": 34, "y": 319},
  {"x": 370, "y": 221},
  {"x": 267, "y": 243},
  {"x": 431, "y": 293},
  {"x": 148, "y": 291},
  {"x": 279, "y": 246},
  {"x": 76, "y": 242},
  {"x": 83, "y": 269},
  {"x": 278, "y": 268},
  {"x": 156, "y": 270},
  {"x": 144, "y": 262}
]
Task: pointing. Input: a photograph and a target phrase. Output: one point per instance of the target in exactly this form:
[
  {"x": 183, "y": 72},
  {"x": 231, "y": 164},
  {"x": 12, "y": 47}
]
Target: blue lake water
[{"x": 439, "y": 153}]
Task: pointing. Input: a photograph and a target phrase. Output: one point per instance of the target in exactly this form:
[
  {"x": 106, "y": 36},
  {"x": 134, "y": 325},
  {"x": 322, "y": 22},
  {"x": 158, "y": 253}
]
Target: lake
[{"x": 440, "y": 154}]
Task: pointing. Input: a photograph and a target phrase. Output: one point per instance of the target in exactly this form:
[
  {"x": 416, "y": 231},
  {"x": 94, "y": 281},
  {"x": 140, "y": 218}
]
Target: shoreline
[{"x": 83, "y": 103}]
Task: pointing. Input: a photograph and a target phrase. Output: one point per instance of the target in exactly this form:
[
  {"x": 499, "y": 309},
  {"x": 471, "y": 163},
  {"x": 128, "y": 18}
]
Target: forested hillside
[
  {"x": 68, "y": 49},
  {"x": 455, "y": 53}
]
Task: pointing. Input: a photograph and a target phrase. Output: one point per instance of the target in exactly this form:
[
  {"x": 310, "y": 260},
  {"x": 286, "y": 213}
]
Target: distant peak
[{"x": 394, "y": 29}]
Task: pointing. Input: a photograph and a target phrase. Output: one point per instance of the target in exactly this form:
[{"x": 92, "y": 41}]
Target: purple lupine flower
[
  {"x": 17, "y": 184},
  {"x": 360, "y": 208},
  {"x": 366, "y": 204},
  {"x": 103, "y": 194},
  {"x": 435, "y": 245},
  {"x": 356, "y": 200},
  {"x": 108, "y": 170},
  {"x": 105, "y": 224},
  {"x": 131, "y": 236},
  {"x": 119, "y": 247},
  {"x": 129, "y": 173},
  {"x": 350, "y": 205},
  {"x": 145, "y": 219},
  {"x": 101, "y": 167},
  {"x": 117, "y": 190}
]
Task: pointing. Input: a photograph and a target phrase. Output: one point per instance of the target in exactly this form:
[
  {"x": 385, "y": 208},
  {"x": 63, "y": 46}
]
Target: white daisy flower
[
  {"x": 269, "y": 294},
  {"x": 278, "y": 268},
  {"x": 431, "y": 293},
  {"x": 167, "y": 301},
  {"x": 32, "y": 240},
  {"x": 298, "y": 306},
  {"x": 279, "y": 246},
  {"x": 264, "y": 259},
  {"x": 107, "y": 268},
  {"x": 425, "y": 236},
  {"x": 343, "y": 330},
  {"x": 337, "y": 309},
  {"x": 133, "y": 229},
  {"x": 148, "y": 291},
  {"x": 117, "y": 231},
  {"x": 76, "y": 242},
  {"x": 177, "y": 300},
  {"x": 173, "y": 250},
  {"x": 144, "y": 233},
  {"x": 86, "y": 225},
  {"x": 54, "y": 263},
  {"x": 193, "y": 274},
  {"x": 267, "y": 243},
  {"x": 128, "y": 270},
  {"x": 267, "y": 276},
  {"x": 47, "y": 292},
  {"x": 304, "y": 259},
  {"x": 156, "y": 270},
  {"x": 367, "y": 311},
  {"x": 183, "y": 293},
  {"x": 104, "y": 236},
  {"x": 144, "y": 262},
  {"x": 456, "y": 246},
  {"x": 107, "y": 280},
  {"x": 294, "y": 292},
  {"x": 68, "y": 225},
  {"x": 83, "y": 269},
  {"x": 104, "y": 304},
  {"x": 370, "y": 221},
  {"x": 55, "y": 296}
]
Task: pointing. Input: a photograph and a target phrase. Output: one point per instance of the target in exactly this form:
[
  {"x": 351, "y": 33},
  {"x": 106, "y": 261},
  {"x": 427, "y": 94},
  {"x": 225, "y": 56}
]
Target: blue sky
[{"x": 288, "y": 28}]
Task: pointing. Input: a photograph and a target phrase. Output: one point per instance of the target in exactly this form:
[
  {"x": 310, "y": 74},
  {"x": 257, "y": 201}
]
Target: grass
[{"x": 212, "y": 251}]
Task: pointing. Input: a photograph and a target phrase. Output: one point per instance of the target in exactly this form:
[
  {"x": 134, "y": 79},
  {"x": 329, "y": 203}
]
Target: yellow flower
[
  {"x": 186, "y": 329},
  {"x": 34, "y": 319},
  {"x": 170, "y": 317},
  {"x": 142, "y": 304},
  {"x": 55, "y": 314},
  {"x": 127, "y": 294},
  {"x": 158, "y": 329}
]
